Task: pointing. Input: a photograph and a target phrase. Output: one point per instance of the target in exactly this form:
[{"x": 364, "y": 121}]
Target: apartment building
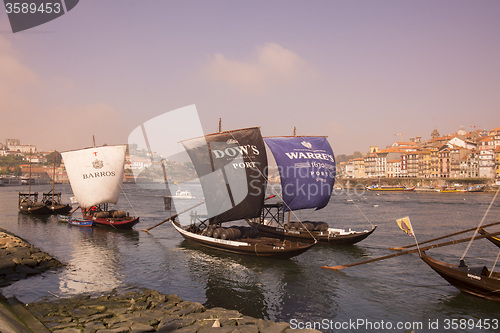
[{"x": 474, "y": 154}]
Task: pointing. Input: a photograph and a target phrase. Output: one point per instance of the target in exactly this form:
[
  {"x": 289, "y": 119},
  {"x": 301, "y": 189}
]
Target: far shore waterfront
[{"x": 137, "y": 310}]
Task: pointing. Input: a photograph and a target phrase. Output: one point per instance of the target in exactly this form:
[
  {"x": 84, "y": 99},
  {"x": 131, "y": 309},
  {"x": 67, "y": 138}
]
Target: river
[{"x": 397, "y": 294}]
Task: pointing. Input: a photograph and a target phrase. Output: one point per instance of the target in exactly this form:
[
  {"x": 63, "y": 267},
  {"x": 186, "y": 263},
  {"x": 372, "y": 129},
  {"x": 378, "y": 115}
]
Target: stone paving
[{"x": 19, "y": 259}]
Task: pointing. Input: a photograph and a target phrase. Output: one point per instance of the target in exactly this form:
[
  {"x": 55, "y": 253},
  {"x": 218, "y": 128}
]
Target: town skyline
[
  {"x": 459, "y": 155},
  {"x": 398, "y": 137}
]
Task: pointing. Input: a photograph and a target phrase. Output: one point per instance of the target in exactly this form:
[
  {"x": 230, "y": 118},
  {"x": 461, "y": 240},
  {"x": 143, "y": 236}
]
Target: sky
[{"x": 356, "y": 71}]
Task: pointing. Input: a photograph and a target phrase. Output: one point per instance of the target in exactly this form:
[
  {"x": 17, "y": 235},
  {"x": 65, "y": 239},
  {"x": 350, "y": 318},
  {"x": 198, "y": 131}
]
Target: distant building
[{"x": 15, "y": 145}]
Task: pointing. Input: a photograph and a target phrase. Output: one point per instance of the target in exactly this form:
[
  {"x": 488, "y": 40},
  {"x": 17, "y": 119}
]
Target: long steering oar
[
  {"x": 74, "y": 210},
  {"x": 336, "y": 268},
  {"x": 173, "y": 216},
  {"x": 442, "y": 237}
]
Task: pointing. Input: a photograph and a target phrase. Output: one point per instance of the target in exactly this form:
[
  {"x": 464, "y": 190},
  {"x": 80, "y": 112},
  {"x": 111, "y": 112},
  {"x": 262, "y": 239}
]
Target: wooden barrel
[
  {"x": 308, "y": 225},
  {"x": 118, "y": 213},
  {"x": 217, "y": 232},
  {"x": 209, "y": 231},
  {"x": 321, "y": 226},
  {"x": 235, "y": 233},
  {"x": 102, "y": 215}
]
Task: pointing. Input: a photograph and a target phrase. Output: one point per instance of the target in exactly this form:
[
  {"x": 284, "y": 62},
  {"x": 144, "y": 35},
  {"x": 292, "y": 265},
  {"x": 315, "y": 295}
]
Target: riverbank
[{"x": 139, "y": 310}]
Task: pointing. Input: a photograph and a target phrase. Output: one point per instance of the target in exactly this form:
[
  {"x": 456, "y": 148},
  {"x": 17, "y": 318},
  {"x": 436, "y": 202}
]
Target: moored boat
[
  {"x": 53, "y": 202},
  {"x": 477, "y": 188},
  {"x": 232, "y": 168},
  {"x": 451, "y": 190},
  {"x": 80, "y": 222},
  {"x": 96, "y": 176},
  {"x": 478, "y": 281},
  {"x": 304, "y": 162},
  {"x": 101, "y": 215},
  {"x": 397, "y": 188},
  {"x": 255, "y": 245},
  {"x": 29, "y": 204},
  {"x": 306, "y": 231}
]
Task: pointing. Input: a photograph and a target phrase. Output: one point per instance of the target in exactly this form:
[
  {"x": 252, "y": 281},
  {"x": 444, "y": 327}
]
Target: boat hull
[
  {"x": 34, "y": 209},
  {"x": 327, "y": 237},
  {"x": 391, "y": 189},
  {"x": 476, "y": 282},
  {"x": 80, "y": 222},
  {"x": 261, "y": 246},
  {"x": 119, "y": 223},
  {"x": 60, "y": 209}
]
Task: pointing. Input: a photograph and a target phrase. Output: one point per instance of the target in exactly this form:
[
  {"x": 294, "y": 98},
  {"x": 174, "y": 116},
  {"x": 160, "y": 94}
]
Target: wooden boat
[
  {"x": 52, "y": 199},
  {"x": 272, "y": 223},
  {"x": 477, "y": 188},
  {"x": 53, "y": 202},
  {"x": 478, "y": 281},
  {"x": 304, "y": 163},
  {"x": 101, "y": 215},
  {"x": 63, "y": 218},
  {"x": 251, "y": 245},
  {"x": 96, "y": 176},
  {"x": 79, "y": 222},
  {"x": 396, "y": 188},
  {"x": 451, "y": 190},
  {"x": 29, "y": 204},
  {"x": 232, "y": 168},
  {"x": 495, "y": 240}
]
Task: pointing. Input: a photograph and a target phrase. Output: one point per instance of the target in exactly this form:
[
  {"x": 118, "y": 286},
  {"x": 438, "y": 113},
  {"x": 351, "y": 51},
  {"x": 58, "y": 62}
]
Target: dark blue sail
[{"x": 307, "y": 169}]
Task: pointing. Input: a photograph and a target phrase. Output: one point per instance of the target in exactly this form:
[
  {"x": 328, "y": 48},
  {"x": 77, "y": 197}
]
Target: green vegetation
[
  {"x": 11, "y": 165},
  {"x": 345, "y": 158}
]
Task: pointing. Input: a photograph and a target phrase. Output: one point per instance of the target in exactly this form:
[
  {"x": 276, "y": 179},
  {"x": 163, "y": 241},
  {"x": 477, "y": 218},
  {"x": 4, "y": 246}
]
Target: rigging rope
[
  {"x": 128, "y": 200},
  {"x": 279, "y": 196},
  {"x": 493, "y": 268},
  {"x": 359, "y": 209},
  {"x": 479, "y": 226}
]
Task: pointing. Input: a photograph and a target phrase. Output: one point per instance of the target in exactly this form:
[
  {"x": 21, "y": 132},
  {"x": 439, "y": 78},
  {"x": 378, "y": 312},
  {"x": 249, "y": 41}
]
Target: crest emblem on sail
[
  {"x": 307, "y": 170},
  {"x": 98, "y": 164},
  {"x": 231, "y": 167},
  {"x": 95, "y": 181}
]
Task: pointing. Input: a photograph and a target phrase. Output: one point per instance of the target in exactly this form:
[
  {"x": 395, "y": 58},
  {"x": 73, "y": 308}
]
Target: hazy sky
[{"x": 356, "y": 71}]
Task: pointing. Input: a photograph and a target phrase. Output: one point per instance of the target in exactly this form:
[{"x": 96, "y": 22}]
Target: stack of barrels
[
  {"x": 231, "y": 233},
  {"x": 112, "y": 213},
  {"x": 309, "y": 225}
]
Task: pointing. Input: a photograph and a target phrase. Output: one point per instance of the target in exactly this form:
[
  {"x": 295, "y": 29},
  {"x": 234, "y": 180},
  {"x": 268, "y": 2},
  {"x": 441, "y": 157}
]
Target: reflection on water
[
  {"x": 400, "y": 289},
  {"x": 94, "y": 266},
  {"x": 91, "y": 269}
]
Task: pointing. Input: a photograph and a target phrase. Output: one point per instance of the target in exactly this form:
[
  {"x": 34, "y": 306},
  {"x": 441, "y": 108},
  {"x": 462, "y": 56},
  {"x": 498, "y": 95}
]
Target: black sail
[{"x": 232, "y": 168}]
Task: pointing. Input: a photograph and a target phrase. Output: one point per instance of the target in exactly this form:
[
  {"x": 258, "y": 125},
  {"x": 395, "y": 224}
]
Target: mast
[
  {"x": 54, "y": 178},
  {"x": 220, "y": 125},
  {"x": 29, "y": 179}
]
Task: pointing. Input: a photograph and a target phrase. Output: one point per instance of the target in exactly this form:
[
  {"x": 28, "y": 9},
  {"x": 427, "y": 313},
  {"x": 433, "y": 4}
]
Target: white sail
[{"x": 95, "y": 174}]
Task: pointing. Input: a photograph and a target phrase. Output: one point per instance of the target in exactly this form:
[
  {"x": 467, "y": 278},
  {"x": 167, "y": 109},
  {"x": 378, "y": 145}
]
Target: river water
[{"x": 396, "y": 295}]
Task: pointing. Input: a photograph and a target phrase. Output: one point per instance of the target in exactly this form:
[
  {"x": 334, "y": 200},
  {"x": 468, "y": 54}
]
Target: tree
[{"x": 50, "y": 158}]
